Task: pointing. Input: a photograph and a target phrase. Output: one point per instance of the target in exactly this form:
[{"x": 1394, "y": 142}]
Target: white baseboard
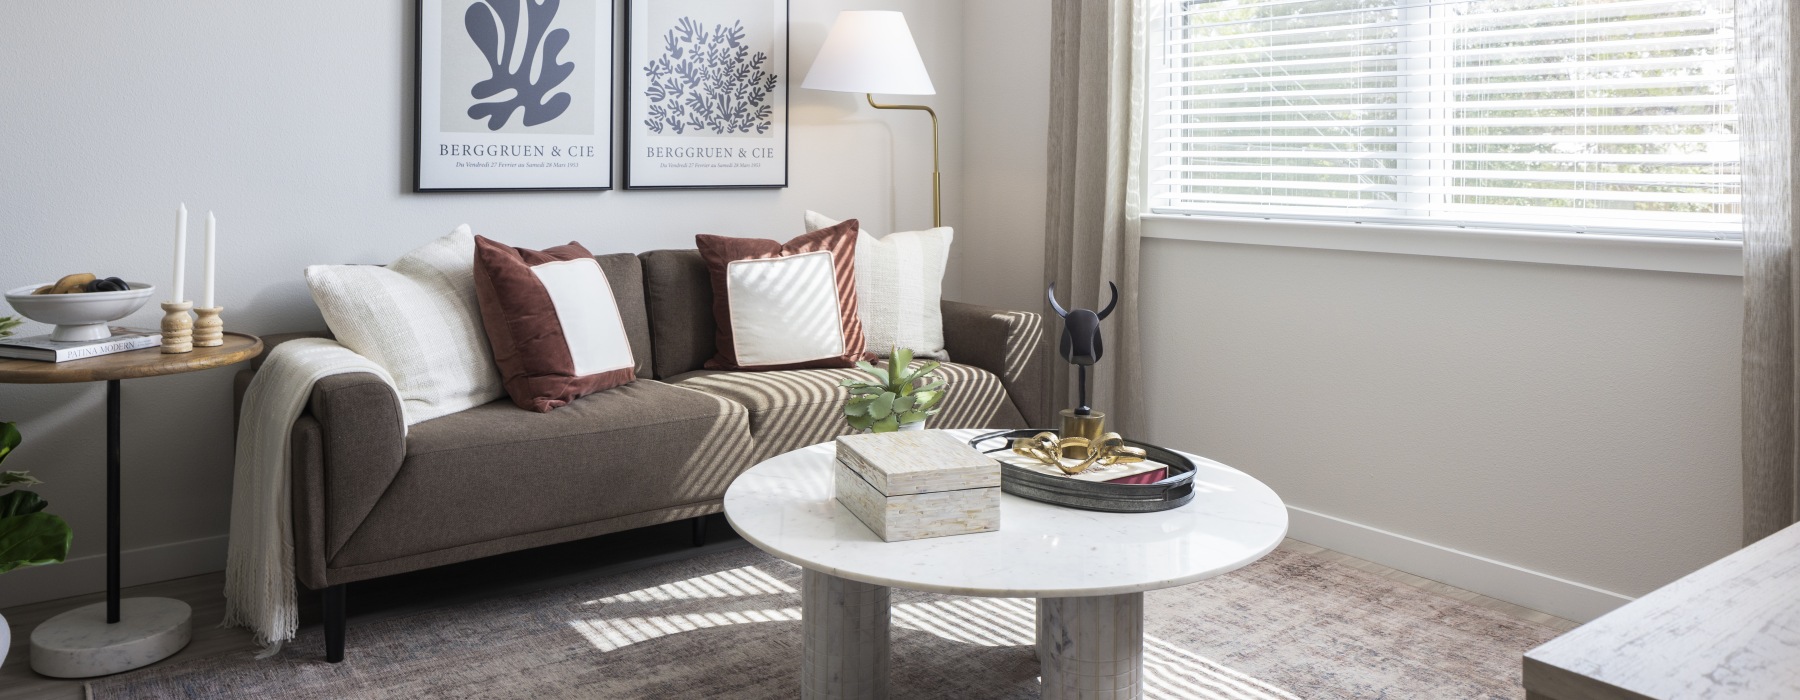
[
  {"x": 1538, "y": 591},
  {"x": 34, "y": 584}
]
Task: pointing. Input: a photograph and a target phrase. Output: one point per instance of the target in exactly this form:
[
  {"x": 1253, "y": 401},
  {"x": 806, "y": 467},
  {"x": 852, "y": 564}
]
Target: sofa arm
[
  {"x": 345, "y": 449},
  {"x": 1007, "y": 343}
]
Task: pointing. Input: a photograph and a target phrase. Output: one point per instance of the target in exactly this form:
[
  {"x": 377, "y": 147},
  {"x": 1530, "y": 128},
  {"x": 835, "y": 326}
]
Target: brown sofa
[{"x": 368, "y": 502}]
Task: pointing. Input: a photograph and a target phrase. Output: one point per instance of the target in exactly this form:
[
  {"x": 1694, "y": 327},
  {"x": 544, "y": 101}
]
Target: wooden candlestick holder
[
  {"x": 177, "y": 327},
  {"x": 209, "y": 331}
]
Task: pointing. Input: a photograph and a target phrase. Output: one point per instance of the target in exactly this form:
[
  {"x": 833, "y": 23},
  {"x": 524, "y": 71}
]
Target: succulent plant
[
  {"x": 7, "y": 324},
  {"x": 892, "y": 396}
]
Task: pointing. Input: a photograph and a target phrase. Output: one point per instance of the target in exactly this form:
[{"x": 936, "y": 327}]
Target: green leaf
[
  {"x": 9, "y": 438},
  {"x": 7, "y": 324},
  {"x": 21, "y": 503},
  {"x": 883, "y": 405},
  {"x": 902, "y": 404},
  {"x": 859, "y": 422},
  {"x": 858, "y": 406},
  {"x": 925, "y": 400},
  {"x": 887, "y": 425},
  {"x": 32, "y": 540},
  {"x": 870, "y": 389},
  {"x": 901, "y": 358},
  {"x": 881, "y": 376},
  {"x": 912, "y": 417}
]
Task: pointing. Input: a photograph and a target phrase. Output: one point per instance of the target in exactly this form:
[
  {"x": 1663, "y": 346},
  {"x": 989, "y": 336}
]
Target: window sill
[{"x": 1697, "y": 256}]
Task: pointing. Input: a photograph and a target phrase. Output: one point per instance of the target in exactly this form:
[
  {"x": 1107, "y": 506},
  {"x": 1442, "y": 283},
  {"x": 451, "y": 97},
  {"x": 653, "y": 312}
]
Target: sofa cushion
[
  {"x": 552, "y": 322},
  {"x": 678, "y": 294},
  {"x": 794, "y": 408},
  {"x": 626, "y": 275},
  {"x": 785, "y": 305},
  {"x": 499, "y": 471}
]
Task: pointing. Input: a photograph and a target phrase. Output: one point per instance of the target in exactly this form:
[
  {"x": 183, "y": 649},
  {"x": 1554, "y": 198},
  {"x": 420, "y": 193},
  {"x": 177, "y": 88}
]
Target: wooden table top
[{"x": 149, "y": 362}]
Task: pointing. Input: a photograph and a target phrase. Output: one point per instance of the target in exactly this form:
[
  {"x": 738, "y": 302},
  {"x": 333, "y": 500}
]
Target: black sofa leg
[
  {"x": 699, "y": 531},
  {"x": 335, "y": 621}
]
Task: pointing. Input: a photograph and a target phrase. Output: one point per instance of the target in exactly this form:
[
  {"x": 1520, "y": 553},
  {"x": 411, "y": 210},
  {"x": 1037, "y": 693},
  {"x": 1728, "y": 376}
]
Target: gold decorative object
[
  {"x": 1075, "y": 424},
  {"x": 1107, "y": 449},
  {"x": 209, "y": 330},
  {"x": 177, "y": 327}
]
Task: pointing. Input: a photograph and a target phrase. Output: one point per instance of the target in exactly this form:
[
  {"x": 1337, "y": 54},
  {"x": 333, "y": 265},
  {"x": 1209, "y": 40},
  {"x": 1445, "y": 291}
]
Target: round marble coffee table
[{"x": 1088, "y": 571}]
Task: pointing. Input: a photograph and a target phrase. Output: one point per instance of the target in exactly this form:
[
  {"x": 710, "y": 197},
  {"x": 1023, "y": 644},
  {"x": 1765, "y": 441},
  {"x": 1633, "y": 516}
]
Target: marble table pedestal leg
[
  {"x": 845, "y": 637},
  {"x": 1091, "y": 648}
]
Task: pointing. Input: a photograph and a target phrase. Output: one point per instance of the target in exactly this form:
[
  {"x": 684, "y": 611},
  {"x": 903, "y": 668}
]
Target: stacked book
[{"x": 42, "y": 348}]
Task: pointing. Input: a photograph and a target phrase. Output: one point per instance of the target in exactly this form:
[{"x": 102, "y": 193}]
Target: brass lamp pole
[{"x": 937, "y": 180}]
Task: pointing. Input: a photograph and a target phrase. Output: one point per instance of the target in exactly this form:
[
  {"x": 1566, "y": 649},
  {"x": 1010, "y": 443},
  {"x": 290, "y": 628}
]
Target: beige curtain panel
[
  {"x": 1095, "y": 197},
  {"x": 1767, "y": 127}
]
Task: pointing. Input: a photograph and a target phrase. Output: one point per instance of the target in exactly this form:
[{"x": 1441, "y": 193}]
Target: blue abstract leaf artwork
[
  {"x": 494, "y": 27},
  {"x": 708, "y": 81}
]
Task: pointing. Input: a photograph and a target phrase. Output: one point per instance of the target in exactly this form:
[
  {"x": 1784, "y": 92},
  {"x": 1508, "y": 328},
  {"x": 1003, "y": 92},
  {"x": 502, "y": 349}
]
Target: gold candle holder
[
  {"x": 209, "y": 331},
  {"x": 1090, "y": 426},
  {"x": 177, "y": 327}
]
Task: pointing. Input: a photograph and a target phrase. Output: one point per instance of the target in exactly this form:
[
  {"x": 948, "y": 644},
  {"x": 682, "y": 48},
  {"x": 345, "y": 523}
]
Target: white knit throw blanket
[{"x": 259, "y": 570}]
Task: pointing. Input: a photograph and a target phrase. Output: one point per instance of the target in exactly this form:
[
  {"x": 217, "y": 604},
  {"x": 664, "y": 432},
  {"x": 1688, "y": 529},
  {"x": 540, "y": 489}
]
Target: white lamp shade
[{"x": 869, "y": 51}]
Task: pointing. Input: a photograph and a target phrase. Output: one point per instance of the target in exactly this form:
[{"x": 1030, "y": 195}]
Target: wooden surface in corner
[
  {"x": 1725, "y": 631},
  {"x": 149, "y": 362}
]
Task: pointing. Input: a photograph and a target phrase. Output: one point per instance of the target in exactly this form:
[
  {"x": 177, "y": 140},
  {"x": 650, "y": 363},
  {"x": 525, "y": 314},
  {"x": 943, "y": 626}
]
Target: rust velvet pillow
[
  {"x": 552, "y": 322},
  {"x": 785, "y": 305}
]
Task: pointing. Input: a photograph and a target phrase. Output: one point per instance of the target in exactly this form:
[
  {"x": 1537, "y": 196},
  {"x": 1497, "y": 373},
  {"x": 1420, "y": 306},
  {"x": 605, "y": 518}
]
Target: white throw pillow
[
  {"x": 899, "y": 286},
  {"x": 418, "y": 318}
]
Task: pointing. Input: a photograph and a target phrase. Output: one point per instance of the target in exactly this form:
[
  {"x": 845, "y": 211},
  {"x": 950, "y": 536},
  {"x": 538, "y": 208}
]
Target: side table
[{"x": 117, "y": 635}]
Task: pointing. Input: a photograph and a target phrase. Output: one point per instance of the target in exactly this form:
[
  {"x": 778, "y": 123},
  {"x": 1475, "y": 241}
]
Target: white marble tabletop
[{"x": 785, "y": 506}]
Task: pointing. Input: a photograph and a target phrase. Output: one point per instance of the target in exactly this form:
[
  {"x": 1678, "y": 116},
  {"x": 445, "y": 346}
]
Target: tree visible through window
[{"x": 1582, "y": 115}]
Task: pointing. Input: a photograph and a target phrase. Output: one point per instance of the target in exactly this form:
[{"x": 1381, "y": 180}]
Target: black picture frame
[
  {"x": 635, "y": 82},
  {"x": 604, "y": 118}
]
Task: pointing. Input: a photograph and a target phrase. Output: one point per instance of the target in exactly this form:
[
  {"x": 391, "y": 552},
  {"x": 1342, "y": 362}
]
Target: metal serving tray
[{"x": 1172, "y": 492}]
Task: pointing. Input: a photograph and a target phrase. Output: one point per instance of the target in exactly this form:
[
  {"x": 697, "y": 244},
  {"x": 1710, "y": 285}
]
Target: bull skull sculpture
[{"x": 1081, "y": 345}]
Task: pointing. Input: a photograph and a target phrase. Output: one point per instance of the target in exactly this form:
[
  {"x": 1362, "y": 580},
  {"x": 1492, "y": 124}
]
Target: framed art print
[
  {"x": 514, "y": 95},
  {"x": 706, "y": 93}
]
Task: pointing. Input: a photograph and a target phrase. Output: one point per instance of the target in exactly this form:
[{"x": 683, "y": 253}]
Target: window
[{"x": 1605, "y": 116}]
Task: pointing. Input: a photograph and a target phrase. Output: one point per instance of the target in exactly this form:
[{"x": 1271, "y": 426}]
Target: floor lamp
[{"x": 870, "y": 51}]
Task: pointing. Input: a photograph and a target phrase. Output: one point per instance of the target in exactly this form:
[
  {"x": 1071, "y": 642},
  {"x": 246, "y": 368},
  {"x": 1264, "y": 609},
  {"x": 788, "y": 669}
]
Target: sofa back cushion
[
  {"x": 626, "y": 275},
  {"x": 678, "y": 293}
]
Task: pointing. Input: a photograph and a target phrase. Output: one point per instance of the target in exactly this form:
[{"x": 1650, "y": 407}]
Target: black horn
[
  {"x": 1059, "y": 309},
  {"x": 1109, "y": 305}
]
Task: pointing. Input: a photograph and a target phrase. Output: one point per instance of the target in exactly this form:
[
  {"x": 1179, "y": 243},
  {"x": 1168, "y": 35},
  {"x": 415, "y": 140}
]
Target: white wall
[
  {"x": 1578, "y": 423},
  {"x": 293, "y": 121}
]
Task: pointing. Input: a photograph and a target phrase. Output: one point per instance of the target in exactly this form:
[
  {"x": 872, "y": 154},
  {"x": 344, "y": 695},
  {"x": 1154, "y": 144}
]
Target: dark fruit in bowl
[{"x": 109, "y": 284}]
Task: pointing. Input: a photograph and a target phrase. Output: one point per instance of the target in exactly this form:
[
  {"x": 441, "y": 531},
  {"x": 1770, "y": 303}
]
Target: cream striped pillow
[
  {"x": 418, "y": 318},
  {"x": 899, "y": 286}
]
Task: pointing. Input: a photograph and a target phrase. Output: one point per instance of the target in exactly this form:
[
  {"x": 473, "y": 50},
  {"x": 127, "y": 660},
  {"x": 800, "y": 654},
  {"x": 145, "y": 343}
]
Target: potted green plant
[
  {"x": 28, "y": 535},
  {"x": 897, "y": 397}
]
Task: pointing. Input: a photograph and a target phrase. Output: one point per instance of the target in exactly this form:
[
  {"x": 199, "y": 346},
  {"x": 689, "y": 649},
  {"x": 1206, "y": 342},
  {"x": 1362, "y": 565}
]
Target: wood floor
[{"x": 539, "y": 568}]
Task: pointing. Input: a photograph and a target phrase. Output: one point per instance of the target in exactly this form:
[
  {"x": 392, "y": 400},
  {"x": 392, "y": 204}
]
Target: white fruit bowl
[{"x": 79, "y": 317}]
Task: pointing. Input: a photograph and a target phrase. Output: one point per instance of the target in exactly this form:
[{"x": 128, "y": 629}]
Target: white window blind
[{"x": 1613, "y": 116}]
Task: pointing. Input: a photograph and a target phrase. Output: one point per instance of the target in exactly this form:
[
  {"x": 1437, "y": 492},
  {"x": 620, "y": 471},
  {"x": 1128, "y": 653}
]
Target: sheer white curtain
[
  {"x": 1097, "y": 67},
  {"x": 1766, "y": 91}
]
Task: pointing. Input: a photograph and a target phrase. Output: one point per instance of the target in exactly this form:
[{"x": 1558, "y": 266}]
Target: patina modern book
[{"x": 43, "y": 349}]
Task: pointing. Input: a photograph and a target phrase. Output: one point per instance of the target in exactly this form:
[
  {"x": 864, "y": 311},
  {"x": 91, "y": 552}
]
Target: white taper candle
[
  {"x": 175, "y": 289},
  {"x": 206, "y": 292}
]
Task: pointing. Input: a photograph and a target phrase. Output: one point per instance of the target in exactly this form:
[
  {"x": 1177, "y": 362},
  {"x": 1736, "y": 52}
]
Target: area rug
[{"x": 727, "y": 625}]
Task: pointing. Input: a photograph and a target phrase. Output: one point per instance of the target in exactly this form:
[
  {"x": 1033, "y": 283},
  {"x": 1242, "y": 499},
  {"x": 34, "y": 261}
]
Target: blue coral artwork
[
  {"x": 514, "y": 95},
  {"x": 528, "y": 85},
  {"x": 708, "y": 93}
]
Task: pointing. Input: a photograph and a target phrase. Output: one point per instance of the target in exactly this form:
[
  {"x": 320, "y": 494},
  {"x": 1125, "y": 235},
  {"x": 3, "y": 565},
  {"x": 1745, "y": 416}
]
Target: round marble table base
[
  {"x": 1091, "y": 647},
  {"x": 80, "y": 644},
  {"x": 844, "y": 638}
]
